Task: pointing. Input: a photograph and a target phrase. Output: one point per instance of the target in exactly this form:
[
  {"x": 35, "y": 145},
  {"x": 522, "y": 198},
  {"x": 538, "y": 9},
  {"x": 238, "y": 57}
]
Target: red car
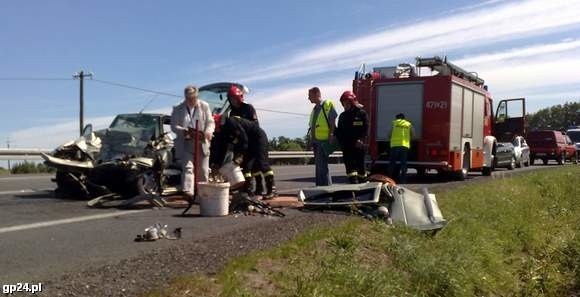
[
  {"x": 571, "y": 152},
  {"x": 547, "y": 145}
]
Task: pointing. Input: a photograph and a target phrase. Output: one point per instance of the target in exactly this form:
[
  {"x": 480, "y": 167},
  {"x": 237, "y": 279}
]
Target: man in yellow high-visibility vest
[
  {"x": 400, "y": 138},
  {"x": 321, "y": 130}
]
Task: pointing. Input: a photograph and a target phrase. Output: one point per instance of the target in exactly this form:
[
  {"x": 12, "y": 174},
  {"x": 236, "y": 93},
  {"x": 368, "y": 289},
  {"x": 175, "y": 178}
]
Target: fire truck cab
[{"x": 450, "y": 110}]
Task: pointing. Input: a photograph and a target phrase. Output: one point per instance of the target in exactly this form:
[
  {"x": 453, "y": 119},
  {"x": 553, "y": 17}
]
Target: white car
[
  {"x": 574, "y": 134},
  {"x": 521, "y": 151}
]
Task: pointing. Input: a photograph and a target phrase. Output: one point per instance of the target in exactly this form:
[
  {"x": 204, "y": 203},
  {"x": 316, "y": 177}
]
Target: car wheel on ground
[
  {"x": 512, "y": 165},
  {"x": 520, "y": 163},
  {"x": 561, "y": 159}
]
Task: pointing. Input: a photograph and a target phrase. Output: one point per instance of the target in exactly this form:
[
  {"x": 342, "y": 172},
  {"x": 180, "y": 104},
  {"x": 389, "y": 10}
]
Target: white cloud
[
  {"x": 50, "y": 136},
  {"x": 512, "y": 72},
  {"x": 486, "y": 26}
]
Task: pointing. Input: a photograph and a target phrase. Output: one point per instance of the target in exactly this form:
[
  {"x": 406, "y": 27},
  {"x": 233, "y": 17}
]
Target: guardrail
[
  {"x": 22, "y": 154},
  {"x": 34, "y": 154}
]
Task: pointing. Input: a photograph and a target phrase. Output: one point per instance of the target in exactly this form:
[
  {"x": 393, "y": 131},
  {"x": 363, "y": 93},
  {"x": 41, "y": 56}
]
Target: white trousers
[{"x": 188, "y": 175}]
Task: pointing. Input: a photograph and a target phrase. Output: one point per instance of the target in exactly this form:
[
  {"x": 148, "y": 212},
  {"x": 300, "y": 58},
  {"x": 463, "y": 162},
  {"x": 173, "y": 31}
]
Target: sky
[{"x": 278, "y": 49}]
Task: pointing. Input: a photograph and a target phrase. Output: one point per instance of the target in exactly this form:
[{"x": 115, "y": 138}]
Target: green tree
[
  {"x": 557, "y": 117},
  {"x": 30, "y": 167}
]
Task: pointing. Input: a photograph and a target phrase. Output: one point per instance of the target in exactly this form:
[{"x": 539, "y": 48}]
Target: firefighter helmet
[
  {"x": 348, "y": 96},
  {"x": 234, "y": 93}
]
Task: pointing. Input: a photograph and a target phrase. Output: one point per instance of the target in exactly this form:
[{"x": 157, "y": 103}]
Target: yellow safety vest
[
  {"x": 401, "y": 135},
  {"x": 320, "y": 126}
]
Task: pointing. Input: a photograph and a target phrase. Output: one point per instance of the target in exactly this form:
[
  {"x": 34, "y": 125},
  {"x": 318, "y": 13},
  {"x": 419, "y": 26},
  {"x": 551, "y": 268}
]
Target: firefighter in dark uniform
[
  {"x": 250, "y": 144},
  {"x": 239, "y": 108},
  {"x": 351, "y": 133}
]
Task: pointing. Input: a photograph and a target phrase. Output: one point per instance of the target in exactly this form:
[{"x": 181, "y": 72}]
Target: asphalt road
[{"x": 42, "y": 236}]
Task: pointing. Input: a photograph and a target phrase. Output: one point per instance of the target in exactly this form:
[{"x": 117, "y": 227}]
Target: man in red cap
[
  {"x": 239, "y": 108},
  {"x": 351, "y": 133}
]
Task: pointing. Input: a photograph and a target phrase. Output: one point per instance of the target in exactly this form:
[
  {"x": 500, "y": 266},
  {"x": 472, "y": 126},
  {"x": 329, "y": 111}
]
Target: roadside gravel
[{"x": 138, "y": 275}]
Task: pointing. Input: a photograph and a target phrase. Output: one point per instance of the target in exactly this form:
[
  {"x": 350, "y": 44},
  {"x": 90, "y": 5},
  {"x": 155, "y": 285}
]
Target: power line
[
  {"x": 112, "y": 83},
  {"x": 177, "y": 96},
  {"x": 284, "y": 112},
  {"x": 134, "y": 88},
  {"x": 33, "y": 78}
]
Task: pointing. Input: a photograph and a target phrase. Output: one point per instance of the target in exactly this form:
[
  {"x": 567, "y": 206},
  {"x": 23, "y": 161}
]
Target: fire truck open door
[{"x": 510, "y": 119}]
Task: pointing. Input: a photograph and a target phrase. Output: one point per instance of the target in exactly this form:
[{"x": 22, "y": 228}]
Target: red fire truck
[{"x": 451, "y": 112}]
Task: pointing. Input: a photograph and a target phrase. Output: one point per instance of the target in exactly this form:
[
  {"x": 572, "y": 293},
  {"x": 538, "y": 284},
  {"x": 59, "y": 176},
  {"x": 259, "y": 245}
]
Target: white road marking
[
  {"x": 68, "y": 221},
  {"x": 27, "y": 191}
]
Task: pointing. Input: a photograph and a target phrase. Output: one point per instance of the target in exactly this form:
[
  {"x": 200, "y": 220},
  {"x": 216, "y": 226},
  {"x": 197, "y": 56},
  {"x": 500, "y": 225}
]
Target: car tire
[
  {"x": 561, "y": 159},
  {"x": 148, "y": 184},
  {"x": 527, "y": 162},
  {"x": 512, "y": 164},
  {"x": 532, "y": 160}
]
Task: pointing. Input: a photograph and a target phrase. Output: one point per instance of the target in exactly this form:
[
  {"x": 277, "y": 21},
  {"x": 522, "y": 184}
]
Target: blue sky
[{"x": 277, "y": 48}]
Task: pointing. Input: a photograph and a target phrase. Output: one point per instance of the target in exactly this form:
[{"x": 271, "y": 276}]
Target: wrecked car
[{"x": 133, "y": 156}]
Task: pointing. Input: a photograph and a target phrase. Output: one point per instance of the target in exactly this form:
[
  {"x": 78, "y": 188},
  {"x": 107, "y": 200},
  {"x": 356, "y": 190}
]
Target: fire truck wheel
[
  {"x": 545, "y": 161},
  {"x": 486, "y": 171}
]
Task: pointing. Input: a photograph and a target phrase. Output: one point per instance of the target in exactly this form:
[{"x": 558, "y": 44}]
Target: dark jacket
[
  {"x": 352, "y": 125},
  {"x": 245, "y": 111}
]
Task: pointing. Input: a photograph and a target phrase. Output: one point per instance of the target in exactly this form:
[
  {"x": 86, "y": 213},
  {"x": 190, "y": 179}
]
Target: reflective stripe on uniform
[{"x": 268, "y": 173}]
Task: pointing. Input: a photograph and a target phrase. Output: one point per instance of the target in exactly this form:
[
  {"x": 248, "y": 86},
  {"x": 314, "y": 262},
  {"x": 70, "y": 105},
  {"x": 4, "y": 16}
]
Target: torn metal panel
[
  {"x": 336, "y": 195},
  {"x": 419, "y": 211},
  {"x": 55, "y": 162}
]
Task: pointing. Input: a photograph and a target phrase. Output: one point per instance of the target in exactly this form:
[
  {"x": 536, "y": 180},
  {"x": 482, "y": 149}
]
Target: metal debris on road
[{"x": 158, "y": 231}]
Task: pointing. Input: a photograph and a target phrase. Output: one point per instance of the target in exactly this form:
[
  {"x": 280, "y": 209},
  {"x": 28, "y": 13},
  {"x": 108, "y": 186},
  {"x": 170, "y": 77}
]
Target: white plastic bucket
[
  {"x": 233, "y": 174},
  {"x": 214, "y": 199}
]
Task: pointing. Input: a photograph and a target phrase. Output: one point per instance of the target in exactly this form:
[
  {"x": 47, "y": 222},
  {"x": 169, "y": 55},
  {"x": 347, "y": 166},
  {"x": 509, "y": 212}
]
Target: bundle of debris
[
  {"x": 381, "y": 199},
  {"x": 158, "y": 231},
  {"x": 244, "y": 204}
]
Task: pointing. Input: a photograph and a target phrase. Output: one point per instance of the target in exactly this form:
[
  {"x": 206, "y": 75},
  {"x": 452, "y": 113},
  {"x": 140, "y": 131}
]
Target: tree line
[{"x": 557, "y": 117}]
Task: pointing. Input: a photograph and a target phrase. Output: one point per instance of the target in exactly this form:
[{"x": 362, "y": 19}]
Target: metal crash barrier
[{"x": 34, "y": 154}]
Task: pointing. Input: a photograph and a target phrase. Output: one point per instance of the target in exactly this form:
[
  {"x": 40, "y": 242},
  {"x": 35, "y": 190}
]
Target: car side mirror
[{"x": 87, "y": 130}]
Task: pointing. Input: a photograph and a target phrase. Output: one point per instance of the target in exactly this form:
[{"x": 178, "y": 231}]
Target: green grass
[{"x": 516, "y": 236}]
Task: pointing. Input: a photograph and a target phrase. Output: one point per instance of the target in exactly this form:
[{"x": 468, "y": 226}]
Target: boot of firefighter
[
  {"x": 270, "y": 188},
  {"x": 353, "y": 178},
  {"x": 249, "y": 187},
  {"x": 259, "y": 189}
]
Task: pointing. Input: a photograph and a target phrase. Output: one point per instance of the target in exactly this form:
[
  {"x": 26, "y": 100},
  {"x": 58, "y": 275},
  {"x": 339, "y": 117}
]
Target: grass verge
[{"x": 517, "y": 236}]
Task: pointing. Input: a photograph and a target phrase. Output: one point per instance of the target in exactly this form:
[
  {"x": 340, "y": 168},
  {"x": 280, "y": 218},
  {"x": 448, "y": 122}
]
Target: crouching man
[{"x": 249, "y": 143}]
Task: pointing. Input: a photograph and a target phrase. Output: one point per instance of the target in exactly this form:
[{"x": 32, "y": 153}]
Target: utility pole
[
  {"x": 8, "y": 146},
  {"x": 81, "y": 75}
]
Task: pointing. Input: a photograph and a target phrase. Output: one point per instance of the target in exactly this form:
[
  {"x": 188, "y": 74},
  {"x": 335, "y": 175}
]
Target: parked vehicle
[
  {"x": 574, "y": 134},
  {"x": 133, "y": 156},
  {"x": 571, "y": 151},
  {"x": 521, "y": 151},
  {"x": 451, "y": 112},
  {"x": 505, "y": 156},
  {"x": 547, "y": 145}
]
